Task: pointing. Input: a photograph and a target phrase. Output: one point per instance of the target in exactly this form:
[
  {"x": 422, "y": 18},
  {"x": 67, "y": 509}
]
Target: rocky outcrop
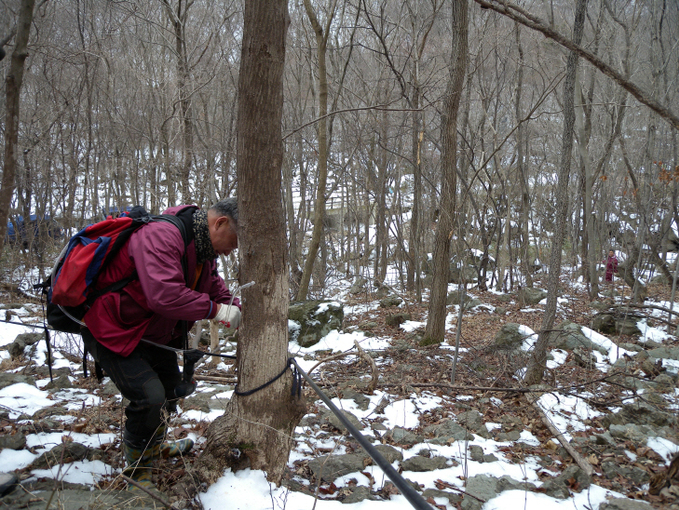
[{"x": 313, "y": 320}]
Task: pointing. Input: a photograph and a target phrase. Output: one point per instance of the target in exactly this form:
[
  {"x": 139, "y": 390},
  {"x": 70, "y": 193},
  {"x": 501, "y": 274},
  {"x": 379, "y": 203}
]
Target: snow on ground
[{"x": 249, "y": 490}]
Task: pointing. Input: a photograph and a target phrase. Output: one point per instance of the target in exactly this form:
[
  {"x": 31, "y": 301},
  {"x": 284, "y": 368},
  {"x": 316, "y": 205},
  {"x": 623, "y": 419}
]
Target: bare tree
[
  {"x": 435, "y": 329},
  {"x": 538, "y": 358},
  {"x": 13, "y": 84}
]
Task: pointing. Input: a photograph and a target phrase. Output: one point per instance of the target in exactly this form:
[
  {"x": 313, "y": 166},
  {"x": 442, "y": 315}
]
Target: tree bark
[
  {"x": 538, "y": 359},
  {"x": 13, "y": 94},
  {"x": 260, "y": 425},
  {"x": 435, "y": 329}
]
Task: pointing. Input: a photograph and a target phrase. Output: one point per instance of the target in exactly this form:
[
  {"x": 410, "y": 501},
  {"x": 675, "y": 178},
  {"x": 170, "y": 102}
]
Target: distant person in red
[{"x": 611, "y": 266}]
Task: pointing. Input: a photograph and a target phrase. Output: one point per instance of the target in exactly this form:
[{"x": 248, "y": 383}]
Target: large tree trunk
[
  {"x": 538, "y": 359},
  {"x": 435, "y": 329},
  {"x": 260, "y": 425},
  {"x": 13, "y": 92}
]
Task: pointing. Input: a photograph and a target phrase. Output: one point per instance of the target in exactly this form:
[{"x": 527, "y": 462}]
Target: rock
[
  {"x": 390, "y": 453},
  {"x": 447, "y": 432},
  {"x": 71, "y": 496},
  {"x": 358, "y": 286},
  {"x": 624, "y": 504},
  {"x": 469, "y": 302},
  {"x": 7, "y": 379},
  {"x": 477, "y": 454},
  {"x": 7, "y": 482},
  {"x": 61, "y": 454},
  {"x": 357, "y": 494},
  {"x": 630, "y": 432},
  {"x": 315, "y": 319},
  {"x": 664, "y": 353},
  {"x": 327, "y": 416},
  {"x": 16, "y": 348},
  {"x": 397, "y": 319},
  {"x": 481, "y": 488},
  {"x": 568, "y": 336},
  {"x": 404, "y": 437},
  {"x": 421, "y": 464},
  {"x": 453, "y": 498},
  {"x": 362, "y": 402},
  {"x": 640, "y": 413},
  {"x": 627, "y": 326},
  {"x": 381, "y": 291},
  {"x": 390, "y": 301},
  {"x": 603, "y": 323},
  {"x": 368, "y": 326},
  {"x": 12, "y": 441},
  {"x": 29, "y": 338},
  {"x": 462, "y": 275},
  {"x": 43, "y": 371},
  {"x": 509, "y": 338},
  {"x": 664, "y": 383},
  {"x": 109, "y": 389},
  {"x": 59, "y": 383},
  {"x": 560, "y": 486},
  {"x": 583, "y": 357},
  {"x": 473, "y": 420},
  {"x": 605, "y": 439},
  {"x": 506, "y": 437},
  {"x": 507, "y": 483},
  {"x": 636, "y": 475},
  {"x": 331, "y": 467},
  {"x": 531, "y": 295}
]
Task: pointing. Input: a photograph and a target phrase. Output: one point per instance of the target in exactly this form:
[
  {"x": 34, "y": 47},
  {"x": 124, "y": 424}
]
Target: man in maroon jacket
[{"x": 175, "y": 282}]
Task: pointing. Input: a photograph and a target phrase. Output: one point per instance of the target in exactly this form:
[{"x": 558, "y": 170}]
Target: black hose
[{"x": 413, "y": 497}]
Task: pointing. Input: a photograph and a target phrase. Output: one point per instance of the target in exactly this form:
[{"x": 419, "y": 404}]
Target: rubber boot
[
  {"x": 172, "y": 449},
  {"x": 139, "y": 455}
]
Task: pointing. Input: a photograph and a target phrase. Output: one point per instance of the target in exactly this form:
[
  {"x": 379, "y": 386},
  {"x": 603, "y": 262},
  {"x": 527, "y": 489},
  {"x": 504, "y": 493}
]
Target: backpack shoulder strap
[{"x": 183, "y": 220}]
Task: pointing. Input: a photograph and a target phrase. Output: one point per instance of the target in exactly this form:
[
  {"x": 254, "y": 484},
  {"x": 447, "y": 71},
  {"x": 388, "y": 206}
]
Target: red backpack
[{"x": 71, "y": 287}]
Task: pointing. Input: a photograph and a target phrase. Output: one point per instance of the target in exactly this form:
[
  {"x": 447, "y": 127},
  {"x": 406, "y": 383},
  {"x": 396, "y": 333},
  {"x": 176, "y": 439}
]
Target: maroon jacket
[
  {"x": 611, "y": 267},
  {"x": 151, "y": 306}
]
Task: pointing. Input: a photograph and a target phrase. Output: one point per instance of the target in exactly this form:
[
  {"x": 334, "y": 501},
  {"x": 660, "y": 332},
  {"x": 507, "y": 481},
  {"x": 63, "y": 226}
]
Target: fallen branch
[
  {"x": 516, "y": 390},
  {"x": 579, "y": 459},
  {"x": 331, "y": 358}
]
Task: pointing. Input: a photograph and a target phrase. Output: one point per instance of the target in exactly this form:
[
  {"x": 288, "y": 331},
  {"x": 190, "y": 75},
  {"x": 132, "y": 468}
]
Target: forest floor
[{"x": 486, "y": 383}]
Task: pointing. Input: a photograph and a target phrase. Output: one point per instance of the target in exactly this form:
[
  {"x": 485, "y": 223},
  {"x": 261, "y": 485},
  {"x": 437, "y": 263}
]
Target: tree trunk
[
  {"x": 521, "y": 166},
  {"x": 414, "y": 280},
  {"x": 13, "y": 93},
  {"x": 589, "y": 240},
  {"x": 260, "y": 425},
  {"x": 538, "y": 360},
  {"x": 319, "y": 205},
  {"x": 435, "y": 329}
]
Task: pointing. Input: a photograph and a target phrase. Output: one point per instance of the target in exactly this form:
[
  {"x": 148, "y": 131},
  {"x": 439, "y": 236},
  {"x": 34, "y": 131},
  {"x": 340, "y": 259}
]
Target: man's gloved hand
[{"x": 229, "y": 315}]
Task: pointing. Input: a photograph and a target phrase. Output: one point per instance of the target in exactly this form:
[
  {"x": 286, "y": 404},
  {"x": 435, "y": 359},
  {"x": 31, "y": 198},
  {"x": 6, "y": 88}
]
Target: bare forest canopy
[{"x": 134, "y": 102}]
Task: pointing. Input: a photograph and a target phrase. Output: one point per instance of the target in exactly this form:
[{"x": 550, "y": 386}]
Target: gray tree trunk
[
  {"x": 538, "y": 359},
  {"x": 435, "y": 329},
  {"x": 13, "y": 94},
  {"x": 259, "y": 425}
]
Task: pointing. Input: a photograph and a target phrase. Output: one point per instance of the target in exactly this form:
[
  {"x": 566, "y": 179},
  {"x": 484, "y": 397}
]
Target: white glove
[{"x": 229, "y": 315}]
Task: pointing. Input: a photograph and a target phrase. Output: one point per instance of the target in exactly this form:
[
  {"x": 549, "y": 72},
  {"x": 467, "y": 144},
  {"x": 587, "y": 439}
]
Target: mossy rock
[{"x": 313, "y": 320}]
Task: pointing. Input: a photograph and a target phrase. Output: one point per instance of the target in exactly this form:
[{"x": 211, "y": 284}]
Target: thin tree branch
[{"x": 525, "y": 18}]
